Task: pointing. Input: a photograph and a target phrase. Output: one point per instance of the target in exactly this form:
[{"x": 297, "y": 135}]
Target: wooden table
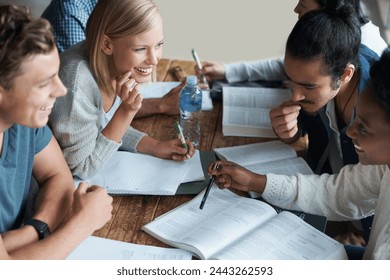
[{"x": 132, "y": 212}]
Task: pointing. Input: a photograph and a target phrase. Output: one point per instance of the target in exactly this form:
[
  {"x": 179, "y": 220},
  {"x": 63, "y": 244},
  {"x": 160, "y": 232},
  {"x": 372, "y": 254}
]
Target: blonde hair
[{"x": 116, "y": 19}]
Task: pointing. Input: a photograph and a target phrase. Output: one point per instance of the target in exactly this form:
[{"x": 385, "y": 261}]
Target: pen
[
  {"x": 216, "y": 165},
  {"x": 180, "y": 135},
  {"x": 199, "y": 65}
]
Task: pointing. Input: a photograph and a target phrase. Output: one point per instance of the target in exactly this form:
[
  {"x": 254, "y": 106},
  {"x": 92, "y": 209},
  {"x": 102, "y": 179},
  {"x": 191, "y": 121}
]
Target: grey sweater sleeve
[
  {"x": 261, "y": 70},
  {"x": 76, "y": 119}
]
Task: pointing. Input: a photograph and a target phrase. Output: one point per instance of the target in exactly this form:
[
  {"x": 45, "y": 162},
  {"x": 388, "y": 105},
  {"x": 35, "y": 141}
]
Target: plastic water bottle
[{"x": 191, "y": 110}]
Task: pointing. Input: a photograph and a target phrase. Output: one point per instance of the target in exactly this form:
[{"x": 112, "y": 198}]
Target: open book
[
  {"x": 235, "y": 227},
  {"x": 268, "y": 157},
  {"x": 133, "y": 173},
  {"x": 98, "y": 248},
  {"x": 246, "y": 110}
]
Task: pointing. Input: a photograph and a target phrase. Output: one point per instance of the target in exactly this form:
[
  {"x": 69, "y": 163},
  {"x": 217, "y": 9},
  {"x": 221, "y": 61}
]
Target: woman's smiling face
[
  {"x": 370, "y": 131},
  {"x": 138, "y": 54}
]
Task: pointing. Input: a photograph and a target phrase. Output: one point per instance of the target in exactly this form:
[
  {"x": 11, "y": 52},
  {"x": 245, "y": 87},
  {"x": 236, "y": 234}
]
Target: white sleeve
[
  {"x": 264, "y": 70},
  {"x": 351, "y": 194}
]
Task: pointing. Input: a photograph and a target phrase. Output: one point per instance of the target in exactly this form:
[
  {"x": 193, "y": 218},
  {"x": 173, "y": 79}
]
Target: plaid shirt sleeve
[
  {"x": 69, "y": 30},
  {"x": 69, "y": 20}
]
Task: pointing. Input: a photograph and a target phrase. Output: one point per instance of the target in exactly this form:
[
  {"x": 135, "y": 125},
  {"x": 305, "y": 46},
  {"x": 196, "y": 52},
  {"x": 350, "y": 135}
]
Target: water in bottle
[{"x": 191, "y": 110}]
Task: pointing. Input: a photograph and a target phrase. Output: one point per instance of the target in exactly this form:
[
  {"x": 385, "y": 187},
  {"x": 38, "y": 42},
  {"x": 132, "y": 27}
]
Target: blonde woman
[{"x": 123, "y": 45}]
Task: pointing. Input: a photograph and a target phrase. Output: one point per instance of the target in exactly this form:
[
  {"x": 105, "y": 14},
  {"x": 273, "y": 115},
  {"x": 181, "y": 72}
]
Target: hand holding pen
[
  {"x": 180, "y": 135},
  {"x": 210, "y": 184},
  {"x": 233, "y": 176},
  {"x": 203, "y": 79},
  {"x": 212, "y": 70}
]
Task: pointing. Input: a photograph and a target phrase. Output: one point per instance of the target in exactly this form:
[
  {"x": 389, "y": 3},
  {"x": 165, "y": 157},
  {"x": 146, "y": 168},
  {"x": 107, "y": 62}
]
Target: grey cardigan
[{"x": 76, "y": 118}]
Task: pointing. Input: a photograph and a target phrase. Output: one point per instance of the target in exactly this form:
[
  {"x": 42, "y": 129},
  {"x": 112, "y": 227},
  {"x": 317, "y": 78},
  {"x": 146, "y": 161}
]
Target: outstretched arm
[
  {"x": 91, "y": 210},
  {"x": 55, "y": 195},
  {"x": 167, "y": 105},
  {"x": 232, "y": 175}
]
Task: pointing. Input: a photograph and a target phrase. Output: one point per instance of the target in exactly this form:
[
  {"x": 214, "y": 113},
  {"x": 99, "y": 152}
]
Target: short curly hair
[
  {"x": 379, "y": 81},
  {"x": 21, "y": 36}
]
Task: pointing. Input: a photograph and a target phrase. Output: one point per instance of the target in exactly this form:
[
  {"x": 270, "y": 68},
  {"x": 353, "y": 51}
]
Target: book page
[
  {"x": 268, "y": 157},
  {"x": 246, "y": 110},
  {"x": 97, "y": 248},
  {"x": 194, "y": 169},
  {"x": 246, "y": 155},
  {"x": 159, "y": 89},
  {"x": 251, "y": 122},
  {"x": 133, "y": 173},
  {"x": 284, "y": 237},
  {"x": 289, "y": 166},
  {"x": 225, "y": 217},
  {"x": 254, "y": 97}
]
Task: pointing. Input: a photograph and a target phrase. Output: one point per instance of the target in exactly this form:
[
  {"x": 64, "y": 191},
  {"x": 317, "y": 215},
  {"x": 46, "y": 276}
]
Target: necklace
[{"x": 1, "y": 142}]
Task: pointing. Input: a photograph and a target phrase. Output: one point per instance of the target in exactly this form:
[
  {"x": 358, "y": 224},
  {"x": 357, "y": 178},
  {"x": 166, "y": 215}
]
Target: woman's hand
[
  {"x": 128, "y": 91},
  {"x": 171, "y": 149},
  {"x": 232, "y": 175}
]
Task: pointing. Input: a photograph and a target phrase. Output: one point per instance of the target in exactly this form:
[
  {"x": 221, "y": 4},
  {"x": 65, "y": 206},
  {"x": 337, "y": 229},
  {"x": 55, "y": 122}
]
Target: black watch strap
[{"x": 41, "y": 227}]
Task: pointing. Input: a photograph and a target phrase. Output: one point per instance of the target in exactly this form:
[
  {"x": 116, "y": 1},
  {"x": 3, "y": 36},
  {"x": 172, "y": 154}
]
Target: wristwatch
[{"x": 41, "y": 227}]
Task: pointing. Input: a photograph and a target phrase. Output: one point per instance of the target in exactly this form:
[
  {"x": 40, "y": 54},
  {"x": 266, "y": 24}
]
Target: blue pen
[{"x": 199, "y": 65}]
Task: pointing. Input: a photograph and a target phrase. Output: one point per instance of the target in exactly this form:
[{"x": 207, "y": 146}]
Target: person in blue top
[
  {"x": 357, "y": 191},
  {"x": 29, "y": 86},
  {"x": 271, "y": 70},
  {"x": 327, "y": 68},
  {"x": 69, "y": 20}
]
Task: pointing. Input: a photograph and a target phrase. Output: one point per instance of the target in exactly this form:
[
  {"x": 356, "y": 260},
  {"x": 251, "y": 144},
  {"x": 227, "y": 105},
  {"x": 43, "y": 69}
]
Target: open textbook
[
  {"x": 133, "y": 173},
  {"x": 272, "y": 157},
  {"x": 97, "y": 248},
  {"x": 246, "y": 110},
  {"x": 267, "y": 157},
  {"x": 234, "y": 227}
]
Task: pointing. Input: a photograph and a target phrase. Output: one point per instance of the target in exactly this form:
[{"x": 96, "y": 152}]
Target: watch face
[{"x": 45, "y": 230}]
